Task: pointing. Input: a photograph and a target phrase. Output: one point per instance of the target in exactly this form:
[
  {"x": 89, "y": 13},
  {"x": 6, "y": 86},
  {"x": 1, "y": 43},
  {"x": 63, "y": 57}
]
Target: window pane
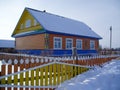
[
  {"x": 69, "y": 43},
  {"x": 35, "y": 22},
  {"x": 21, "y": 27},
  {"x": 79, "y": 44},
  {"x": 28, "y": 23},
  {"x": 57, "y": 43},
  {"x": 92, "y": 44}
]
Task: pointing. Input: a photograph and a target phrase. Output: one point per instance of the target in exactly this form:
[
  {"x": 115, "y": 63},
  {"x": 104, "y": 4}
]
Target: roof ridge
[
  {"x": 33, "y": 9},
  {"x": 44, "y": 11}
]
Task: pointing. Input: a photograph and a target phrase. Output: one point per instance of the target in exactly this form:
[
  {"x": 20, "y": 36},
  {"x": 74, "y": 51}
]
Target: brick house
[{"x": 40, "y": 32}]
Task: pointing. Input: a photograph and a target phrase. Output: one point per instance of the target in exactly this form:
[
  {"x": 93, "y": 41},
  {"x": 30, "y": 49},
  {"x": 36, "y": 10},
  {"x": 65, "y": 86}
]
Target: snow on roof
[
  {"x": 7, "y": 43},
  {"x": 61, "y": 24}
]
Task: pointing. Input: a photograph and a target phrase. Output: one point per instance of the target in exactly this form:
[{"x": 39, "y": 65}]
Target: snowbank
[{"x": 105, "y": 78}]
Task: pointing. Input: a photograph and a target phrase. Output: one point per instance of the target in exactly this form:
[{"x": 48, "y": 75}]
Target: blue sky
[{"x": 98, "y": 14}]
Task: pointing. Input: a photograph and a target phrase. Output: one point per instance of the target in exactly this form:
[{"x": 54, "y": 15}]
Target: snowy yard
[{"x": 105, "y": 78}]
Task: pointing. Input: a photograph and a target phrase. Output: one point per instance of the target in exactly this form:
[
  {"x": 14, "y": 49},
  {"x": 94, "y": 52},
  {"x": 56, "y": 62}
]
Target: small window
[
  {"x": 79, "y": 44},
  {"x": 35, "y": 22},
  {"x": 57, "y": 43},
  {"x": 92, "y": 44},
  {"x": 21, "y": 26},
  {"x": 69, "y": 43},
  {"x": 28, "y": 23}
]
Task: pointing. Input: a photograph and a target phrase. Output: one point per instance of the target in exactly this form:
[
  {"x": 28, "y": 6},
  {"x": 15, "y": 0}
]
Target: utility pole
[{"x": 110, "y": 39}]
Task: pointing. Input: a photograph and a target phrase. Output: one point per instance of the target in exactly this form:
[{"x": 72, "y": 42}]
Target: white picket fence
[{"x": 52, "y": 70}]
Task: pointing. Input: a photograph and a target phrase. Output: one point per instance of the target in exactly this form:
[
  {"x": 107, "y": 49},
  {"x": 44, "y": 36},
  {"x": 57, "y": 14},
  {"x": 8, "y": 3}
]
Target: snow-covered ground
[{"x": 105, "y": 78}]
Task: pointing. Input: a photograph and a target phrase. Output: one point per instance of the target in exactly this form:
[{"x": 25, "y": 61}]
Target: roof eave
[
  {"x": 68, "y": 34},
  {"x": 29, "y": 33}
]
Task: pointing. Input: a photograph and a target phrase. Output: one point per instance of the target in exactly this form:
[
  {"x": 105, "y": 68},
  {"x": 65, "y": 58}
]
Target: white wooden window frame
[
  {"x": 60, "y": 38},
  {"x": 35, "y": 22},
  {"x": 28, "y": 23},
  {"x": 69, "y": 43},
  {"x": 22, "y": 26},
  {"x": 79, "y": 44},
  {"x": 92, "y": 45}
]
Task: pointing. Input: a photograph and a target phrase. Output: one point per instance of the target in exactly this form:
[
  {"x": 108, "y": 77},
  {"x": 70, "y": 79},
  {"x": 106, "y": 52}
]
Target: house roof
[
  {"x": 7, "y": 43},
  {"x": 58, "y": 24}
]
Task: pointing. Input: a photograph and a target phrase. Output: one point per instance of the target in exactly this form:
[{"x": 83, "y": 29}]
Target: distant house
[
  {"x": 40, "y": 32},
  {"x": 7, "y": 45}
]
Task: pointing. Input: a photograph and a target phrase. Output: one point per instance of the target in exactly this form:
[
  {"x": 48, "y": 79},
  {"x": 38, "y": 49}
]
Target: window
[
  {"x": 69, "y": 43},
  {"x": 79, "y": 44},
  {"x": 35, "y": 22},
  {"x": 21, "y": 26},
  {"x": 28, "y": 23},
  {"x": 92, "y": 44},
  {"x": 57, "y": 43}
]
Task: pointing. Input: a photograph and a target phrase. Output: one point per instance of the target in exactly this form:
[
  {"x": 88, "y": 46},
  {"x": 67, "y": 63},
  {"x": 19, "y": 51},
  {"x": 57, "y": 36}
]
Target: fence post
[
  {"x": 27, "y": 73},
  {"x": 41, "y": 76},
  {"x": 3, "y": 72},
  {"x": 0, "y": 75},
  {"x": 32, "y": 64},
  {"x": 0, "y": 80},
  {"x": 54, "y": 75},
  {"x": 21, "y": 74},
  {"x": 9, "y": 81},
  {"x": 37, "y": 73},
  {"x": 37, "y": 61},
  {"x": 50, "y": 74},
  {"x": 58, "y": 75},
  {"x": 15, "y": 70}
]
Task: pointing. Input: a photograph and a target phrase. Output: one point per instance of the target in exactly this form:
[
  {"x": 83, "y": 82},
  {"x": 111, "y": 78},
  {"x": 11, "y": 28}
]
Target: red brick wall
[
  {"x": 38, "y": 42},
  {"x": 85, "y": 41},
  {"x": 30, "y": 42},
  {"x": 96, "y": 44}
]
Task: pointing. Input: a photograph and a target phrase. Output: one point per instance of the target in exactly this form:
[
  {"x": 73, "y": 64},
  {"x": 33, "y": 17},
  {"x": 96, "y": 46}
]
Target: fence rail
[{"x": 44, "y": 73}]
